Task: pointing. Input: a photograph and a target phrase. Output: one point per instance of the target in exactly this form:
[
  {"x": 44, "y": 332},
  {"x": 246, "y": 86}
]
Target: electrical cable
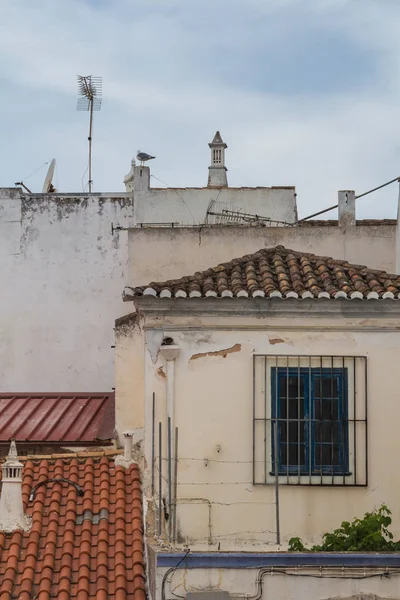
[
  {"x": 174, "y": 190},
  {"x": 38, "y": 169},
  {"x": 171, "y": 571},
  {"x": 325, "y": 210}
]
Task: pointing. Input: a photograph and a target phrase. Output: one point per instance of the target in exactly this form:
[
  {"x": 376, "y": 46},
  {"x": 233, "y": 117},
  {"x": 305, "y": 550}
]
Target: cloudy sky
[{"x": 304, "y": 92}]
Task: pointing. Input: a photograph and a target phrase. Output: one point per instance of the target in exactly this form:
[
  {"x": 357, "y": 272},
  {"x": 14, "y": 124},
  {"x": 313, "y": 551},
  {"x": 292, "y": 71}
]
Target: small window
[
  {"x": 217, "y": 156},
  {"x": 316, "y": 408}
]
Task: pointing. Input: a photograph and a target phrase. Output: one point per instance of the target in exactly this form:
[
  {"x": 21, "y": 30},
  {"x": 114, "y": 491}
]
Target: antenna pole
[
  {"x": 90, "y": 145},
  {"x": 90, "y": 90}
]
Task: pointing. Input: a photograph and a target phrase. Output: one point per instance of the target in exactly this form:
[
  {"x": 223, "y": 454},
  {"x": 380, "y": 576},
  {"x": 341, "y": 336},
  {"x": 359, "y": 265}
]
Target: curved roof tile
[{"x": 279, "y": 271}]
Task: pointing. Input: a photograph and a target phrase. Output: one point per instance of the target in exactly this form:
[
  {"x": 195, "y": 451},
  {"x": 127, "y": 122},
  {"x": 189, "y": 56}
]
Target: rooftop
[
  {"x": 57, "y": 419},
  {"x": 278, "y": 272},
  {"x": 78, "y": 547}
]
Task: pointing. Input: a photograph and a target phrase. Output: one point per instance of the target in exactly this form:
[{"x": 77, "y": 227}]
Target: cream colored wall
[
  {"x": 157, "y": 254},
  {"x": 214, "y": 383},
  {"x": 129, "y": 375}
]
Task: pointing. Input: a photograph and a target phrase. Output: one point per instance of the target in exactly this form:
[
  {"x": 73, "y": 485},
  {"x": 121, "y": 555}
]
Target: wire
[
  {"x": 172, "y": 572},
  {"x": 174, "y": 190},
  {"x": 84, "y": 173},
  {"x": 38, "y": 169},
  {"x": 325, "y": 210}
]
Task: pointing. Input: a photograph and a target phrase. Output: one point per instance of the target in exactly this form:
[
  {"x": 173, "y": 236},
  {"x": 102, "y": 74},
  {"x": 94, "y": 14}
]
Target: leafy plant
[{"x": 369, "y": 534}]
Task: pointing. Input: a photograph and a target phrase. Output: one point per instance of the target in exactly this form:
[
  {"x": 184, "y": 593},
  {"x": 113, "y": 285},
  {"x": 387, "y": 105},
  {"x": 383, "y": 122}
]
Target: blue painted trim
[{"x": 245, "y": 560}]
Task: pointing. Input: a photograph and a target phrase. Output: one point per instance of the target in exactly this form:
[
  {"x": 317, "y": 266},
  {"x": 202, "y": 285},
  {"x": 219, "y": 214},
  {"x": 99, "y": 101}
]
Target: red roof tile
[
  {"x": 70, "y": 553},
  {"x": 279, "y": 272},
  {"x": 57, "y": 418}
]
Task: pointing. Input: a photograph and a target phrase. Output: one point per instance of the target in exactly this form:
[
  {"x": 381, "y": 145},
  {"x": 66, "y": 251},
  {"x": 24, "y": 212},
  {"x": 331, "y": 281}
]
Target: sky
[{"x": 304, "y": 92}]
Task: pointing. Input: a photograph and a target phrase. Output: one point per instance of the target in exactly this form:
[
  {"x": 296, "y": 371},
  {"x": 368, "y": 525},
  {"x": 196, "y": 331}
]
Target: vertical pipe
[
  {"x": 300, "y": 423},
  {"x": 90, "y": 143},
  {"x": 159, "y": 477},
  {"x": 354, "y": 422},
  {"x": 278, "y": 528},
  {"x": 265, "y": 419},
  {"x": 366, "y": 418},
  {"x": 287, "y": 421},
  {"x": 169, "y": 434},
  {"x": 331, "y": 423},
  {"x": 170, "y": 395},
  {"x": 175, "y": 482},
  {"x": 153, "y": 443},
  {"x": 254, "y": 420}
]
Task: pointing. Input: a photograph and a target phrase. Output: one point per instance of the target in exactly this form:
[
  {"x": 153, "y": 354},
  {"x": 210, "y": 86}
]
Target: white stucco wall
[
  {"x": 168, "y": 253},
  {"x": 64, "y": 271},
  {"x": 188, "y": 206},
  {"x": 62, "y": 276},
  {"x": 214, "y": 410}
]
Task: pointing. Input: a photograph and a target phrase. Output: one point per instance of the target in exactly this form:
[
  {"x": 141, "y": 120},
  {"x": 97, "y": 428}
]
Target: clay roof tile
[{"x": 282, "y": 270}]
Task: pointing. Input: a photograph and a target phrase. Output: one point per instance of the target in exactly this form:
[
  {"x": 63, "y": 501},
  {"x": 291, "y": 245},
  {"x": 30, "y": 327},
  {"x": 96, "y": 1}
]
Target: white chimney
[
  {"x": 126, "y": 460},
  {"x": 347, "y": 208},
  {"x": 12, "y": 515}
]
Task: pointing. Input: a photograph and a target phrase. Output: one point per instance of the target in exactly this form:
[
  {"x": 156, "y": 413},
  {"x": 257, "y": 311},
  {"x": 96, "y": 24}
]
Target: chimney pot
[
  {"x": 12, "y": 515},
  {"x": 347, "y": 208},
  {"x": 127, "y": 459}
]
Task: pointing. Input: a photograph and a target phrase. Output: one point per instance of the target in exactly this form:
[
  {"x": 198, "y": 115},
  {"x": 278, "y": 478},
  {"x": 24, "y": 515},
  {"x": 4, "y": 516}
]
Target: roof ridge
[
  {"x": 279, "y": 275},
  {"x": 71, "y": 455}
]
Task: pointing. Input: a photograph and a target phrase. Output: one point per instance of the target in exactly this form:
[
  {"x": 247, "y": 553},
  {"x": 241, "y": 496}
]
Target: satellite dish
[{"x": 48, "y": 187}]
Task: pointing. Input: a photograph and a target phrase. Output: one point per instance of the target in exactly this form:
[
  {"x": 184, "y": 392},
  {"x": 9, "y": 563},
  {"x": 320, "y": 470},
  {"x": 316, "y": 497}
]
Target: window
[
  {"x": 310, "y": 420},
  {"x": 217, "y": 156}
]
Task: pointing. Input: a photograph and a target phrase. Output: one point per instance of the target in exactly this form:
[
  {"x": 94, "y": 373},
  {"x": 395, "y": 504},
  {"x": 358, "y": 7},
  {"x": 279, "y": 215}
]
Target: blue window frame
[{"x": 310, "y": 409}]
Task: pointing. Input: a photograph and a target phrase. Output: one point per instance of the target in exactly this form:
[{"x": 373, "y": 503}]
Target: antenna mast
[{"x": 90, "y": 89}]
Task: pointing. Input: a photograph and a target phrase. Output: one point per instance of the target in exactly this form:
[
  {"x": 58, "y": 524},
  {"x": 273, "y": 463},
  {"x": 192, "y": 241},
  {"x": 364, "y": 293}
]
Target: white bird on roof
[{"x": 143, "y": 156}]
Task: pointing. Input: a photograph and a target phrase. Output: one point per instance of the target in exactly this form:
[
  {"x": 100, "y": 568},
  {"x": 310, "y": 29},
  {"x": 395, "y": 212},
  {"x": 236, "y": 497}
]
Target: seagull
[{"x": 143, "y": 156}]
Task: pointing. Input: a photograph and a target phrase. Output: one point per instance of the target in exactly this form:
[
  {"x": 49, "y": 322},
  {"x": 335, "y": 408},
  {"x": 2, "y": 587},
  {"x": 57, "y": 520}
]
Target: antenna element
[{"x": 90, "y": 90}]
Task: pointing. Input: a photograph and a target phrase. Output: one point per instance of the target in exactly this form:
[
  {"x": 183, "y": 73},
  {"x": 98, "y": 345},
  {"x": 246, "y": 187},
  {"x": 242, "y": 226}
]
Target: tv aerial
[{"x": 90, "y": 90}]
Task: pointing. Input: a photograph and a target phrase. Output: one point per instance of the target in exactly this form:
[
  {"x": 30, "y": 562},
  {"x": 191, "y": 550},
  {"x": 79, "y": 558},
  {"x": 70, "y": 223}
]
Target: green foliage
[{"x": 369, "y": 534}]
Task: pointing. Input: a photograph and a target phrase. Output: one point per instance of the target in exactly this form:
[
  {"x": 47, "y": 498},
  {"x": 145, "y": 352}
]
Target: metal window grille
[{"x": 319, "y": 406}]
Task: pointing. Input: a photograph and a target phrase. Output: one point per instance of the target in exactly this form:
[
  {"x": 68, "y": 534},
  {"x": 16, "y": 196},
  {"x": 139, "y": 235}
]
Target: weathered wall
[
  {"x": 213, "y": 411},
  {"x": 167, "y": 253},
  {"x": 64, "y": 270},
  {"x": 311, "y": 584},
  {"x": 188, "y": 206},
  {"x": 62, "y": 276}
]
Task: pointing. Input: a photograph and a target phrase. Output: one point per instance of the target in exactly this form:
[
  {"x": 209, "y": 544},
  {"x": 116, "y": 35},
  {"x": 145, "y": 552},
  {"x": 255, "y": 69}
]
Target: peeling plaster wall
[
  {"x": 169, "y": 253},
  {"x": 63, "y": 273},
  {"x": 218, "y": 507}
]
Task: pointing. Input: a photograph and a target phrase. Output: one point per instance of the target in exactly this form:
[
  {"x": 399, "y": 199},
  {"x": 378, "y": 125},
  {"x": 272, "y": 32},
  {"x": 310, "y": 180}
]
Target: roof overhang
[{"x": 290, "y": 307}]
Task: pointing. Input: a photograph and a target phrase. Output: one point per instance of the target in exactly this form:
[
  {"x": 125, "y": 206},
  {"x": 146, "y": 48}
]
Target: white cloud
[{"x": 163, "y": 64}]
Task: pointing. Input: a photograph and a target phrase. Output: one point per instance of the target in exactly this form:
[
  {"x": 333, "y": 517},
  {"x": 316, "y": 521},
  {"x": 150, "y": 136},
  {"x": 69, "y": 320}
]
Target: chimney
[
  {"x": 126, "y": 460},
  {"x": 138, "y": 178},
  {"x": 12, "y": 515},
  {"x": 347, "y": 208},
  {"x": 217, "y": 171}
]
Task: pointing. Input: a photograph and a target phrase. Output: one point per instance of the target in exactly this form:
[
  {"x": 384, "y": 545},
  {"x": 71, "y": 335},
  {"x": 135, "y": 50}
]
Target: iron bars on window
[{"x": 317, "y": 408}]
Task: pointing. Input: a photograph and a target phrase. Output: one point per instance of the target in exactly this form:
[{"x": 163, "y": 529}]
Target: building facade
[{"x": 262, "y": 387}]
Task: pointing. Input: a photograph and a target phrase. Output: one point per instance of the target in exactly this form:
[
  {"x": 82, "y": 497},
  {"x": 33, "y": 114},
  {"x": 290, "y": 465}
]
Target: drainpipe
[{"x": 170, "y": 351}]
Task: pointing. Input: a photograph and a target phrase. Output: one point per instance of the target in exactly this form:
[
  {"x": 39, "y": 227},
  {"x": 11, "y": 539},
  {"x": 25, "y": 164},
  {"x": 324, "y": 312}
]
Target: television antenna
[
  {"x": 90, "y": 89},
  {"x": 221, "y": 215},
  {"x": 48, "y": 187}
]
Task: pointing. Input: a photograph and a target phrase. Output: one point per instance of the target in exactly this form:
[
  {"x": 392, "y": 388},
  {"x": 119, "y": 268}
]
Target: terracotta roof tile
[
  {"x": 279, "y": 272},
  {"x": 56, "y": 418},
  {"x": 64, "y": 557}
]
